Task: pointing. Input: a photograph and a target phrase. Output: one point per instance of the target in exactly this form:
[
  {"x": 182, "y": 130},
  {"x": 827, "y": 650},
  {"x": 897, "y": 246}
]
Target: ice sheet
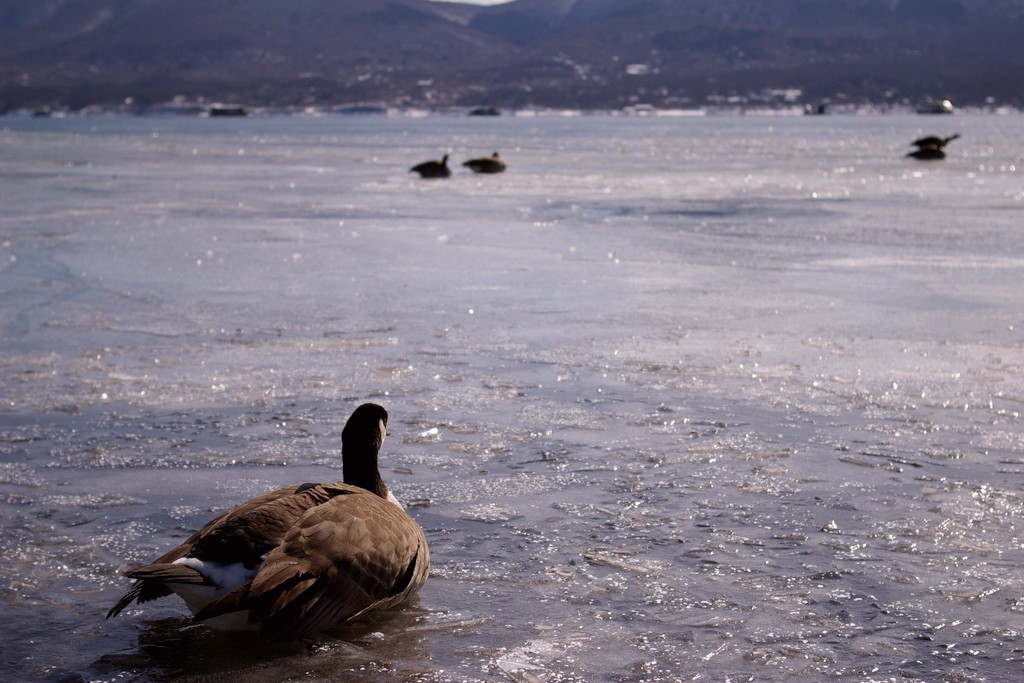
[{"x": 717, "y": 398}]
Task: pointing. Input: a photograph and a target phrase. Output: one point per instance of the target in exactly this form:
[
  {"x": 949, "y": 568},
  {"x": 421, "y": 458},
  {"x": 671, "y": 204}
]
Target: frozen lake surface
[{"x": 720, "y": 398}]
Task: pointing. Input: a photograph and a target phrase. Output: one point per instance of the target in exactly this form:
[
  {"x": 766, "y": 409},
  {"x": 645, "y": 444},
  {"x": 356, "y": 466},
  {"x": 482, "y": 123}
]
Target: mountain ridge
[{"x": 546, "y": 53}]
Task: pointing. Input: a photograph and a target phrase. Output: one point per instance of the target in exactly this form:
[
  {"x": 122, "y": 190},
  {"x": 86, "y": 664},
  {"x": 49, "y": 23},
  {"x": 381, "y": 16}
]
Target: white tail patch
[{"x": 224, "y": 577}]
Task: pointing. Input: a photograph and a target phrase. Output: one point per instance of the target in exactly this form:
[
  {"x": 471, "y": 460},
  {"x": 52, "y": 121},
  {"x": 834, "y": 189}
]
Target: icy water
[{"x": 718, "y": 399}]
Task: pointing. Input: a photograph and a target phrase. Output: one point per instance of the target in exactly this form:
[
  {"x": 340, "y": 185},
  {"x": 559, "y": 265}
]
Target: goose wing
[
  {"x": 352, "y": 554},
  {"x": 243, "y": 534}
]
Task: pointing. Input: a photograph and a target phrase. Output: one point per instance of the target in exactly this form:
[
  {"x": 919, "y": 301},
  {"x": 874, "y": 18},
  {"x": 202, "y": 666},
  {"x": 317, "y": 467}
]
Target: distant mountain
[{"x": 553, "y": 53}]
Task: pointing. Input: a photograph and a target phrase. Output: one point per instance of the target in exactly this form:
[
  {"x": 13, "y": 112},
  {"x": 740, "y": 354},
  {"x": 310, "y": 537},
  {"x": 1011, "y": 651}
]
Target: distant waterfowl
[
  {"x": 300, "y": 559},
  {"x": 931, "y": 147},
  {"x": 433, "y": 169},
  {"x": 491, "y": 164},
  {"x": 934, "y": 141}
]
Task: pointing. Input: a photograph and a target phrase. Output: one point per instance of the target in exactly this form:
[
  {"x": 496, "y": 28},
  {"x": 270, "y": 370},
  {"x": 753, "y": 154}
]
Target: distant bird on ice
[
  {"x": 301, "y": 559},
  {"x": 491, "y": 164},
  {"x": 433, "y": 169},
  {"x": 931, "y": 147},
  {"x": 934, "y": 141}
]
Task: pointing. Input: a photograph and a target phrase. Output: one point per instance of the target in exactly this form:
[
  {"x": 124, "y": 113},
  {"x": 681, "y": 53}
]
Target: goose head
[{"x": 361, "y": 441}]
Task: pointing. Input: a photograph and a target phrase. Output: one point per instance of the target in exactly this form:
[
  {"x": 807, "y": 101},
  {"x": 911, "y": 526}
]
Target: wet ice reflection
[{"x": 714, "y": 411}]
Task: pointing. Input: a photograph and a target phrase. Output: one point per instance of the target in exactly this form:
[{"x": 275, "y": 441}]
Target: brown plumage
[
  {"x": 433, "y": 169},
  {"x": 491, "y": 164},
  {"x": 300, "y": 559}
]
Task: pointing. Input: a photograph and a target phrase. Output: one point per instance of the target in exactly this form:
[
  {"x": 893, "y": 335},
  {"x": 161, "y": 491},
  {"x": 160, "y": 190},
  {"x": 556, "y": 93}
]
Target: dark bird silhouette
[
  {"x": 301, "y": 559},
  {"x": 934, "y": 141},
  {"x": 491, "y": 164},
  {"x": 931, "y": 147},
  {"x": 433, "y": 169},
  {"x": 928, "y": 153}
]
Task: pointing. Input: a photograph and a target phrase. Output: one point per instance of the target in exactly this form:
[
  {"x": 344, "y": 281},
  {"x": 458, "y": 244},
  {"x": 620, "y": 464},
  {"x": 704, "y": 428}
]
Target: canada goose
[
  {"x": 934, "y": 141},
  {"x": 433, "y": 169},
  {"x": 491, "y": 164},
  {"x": 303, "y": 558},
  {"x": 931, "y": 147}
]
